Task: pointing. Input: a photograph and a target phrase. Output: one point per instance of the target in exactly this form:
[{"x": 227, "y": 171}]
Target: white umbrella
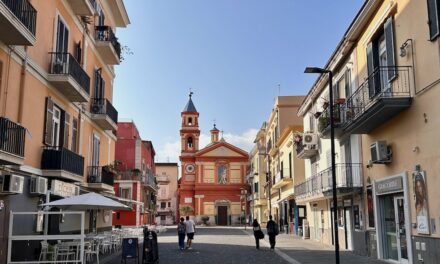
[{"x": 88, "y": 201}]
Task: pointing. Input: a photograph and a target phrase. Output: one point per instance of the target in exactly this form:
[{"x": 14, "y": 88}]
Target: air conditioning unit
[
  {"x": 76, "y": 190},
  {"x": 310, "y": 139},
  {"x": 379, "y": 152},
  {"x": 38, "y": 185},
  {"x": 11, "y": 184}
]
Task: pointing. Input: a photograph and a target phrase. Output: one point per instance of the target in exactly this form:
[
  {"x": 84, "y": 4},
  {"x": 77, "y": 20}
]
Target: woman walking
[
  {"x": 181, "y": 232},
  {"x": 258, "y": 234}
]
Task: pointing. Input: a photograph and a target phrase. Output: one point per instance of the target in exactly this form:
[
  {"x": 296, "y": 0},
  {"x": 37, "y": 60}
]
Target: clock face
[{"x": 190, "y": 168}]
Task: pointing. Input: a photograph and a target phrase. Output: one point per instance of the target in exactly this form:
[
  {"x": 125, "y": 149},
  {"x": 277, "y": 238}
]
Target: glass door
[
  {"x": 402, "y": 249},
  {"x": 389, "y": 230}
]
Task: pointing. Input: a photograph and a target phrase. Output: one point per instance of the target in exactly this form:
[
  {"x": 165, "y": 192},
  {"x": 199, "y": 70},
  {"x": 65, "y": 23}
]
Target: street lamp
[{"x": 332, "y": 152}]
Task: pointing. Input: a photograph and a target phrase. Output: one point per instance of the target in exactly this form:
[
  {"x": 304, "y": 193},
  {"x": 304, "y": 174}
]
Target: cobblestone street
[{"x": 235, "y": 245}]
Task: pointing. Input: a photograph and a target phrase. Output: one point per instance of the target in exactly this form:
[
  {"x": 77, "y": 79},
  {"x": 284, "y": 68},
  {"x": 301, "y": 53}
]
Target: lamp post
[{"x": 332, "y": 152}]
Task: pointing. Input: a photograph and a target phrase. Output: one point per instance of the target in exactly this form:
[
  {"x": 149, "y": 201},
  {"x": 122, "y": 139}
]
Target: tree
[{"x": 185, "y": 209}]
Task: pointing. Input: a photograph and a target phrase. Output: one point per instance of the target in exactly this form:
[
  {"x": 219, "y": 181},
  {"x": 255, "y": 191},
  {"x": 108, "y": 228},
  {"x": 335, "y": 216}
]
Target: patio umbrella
[{"x": 87, "y": 201}]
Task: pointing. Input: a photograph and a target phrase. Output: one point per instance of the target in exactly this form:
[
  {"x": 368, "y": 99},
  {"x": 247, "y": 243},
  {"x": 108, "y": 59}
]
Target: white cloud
[{"x": 170, "y": 151}]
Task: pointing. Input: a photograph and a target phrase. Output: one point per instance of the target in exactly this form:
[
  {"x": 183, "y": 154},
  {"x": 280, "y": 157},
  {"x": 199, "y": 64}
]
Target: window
[
  {"x": 282, "y": 170},
  {"x": 190, "y": 142},
  {"x": 101, "y": 19},
  {"x": 169, "y": 204},
  {"x": 311, "y": 123},
  {"x": 433, "y": 18},
  {"x": 56, "y": 123},
  {"x": 78, "y": 52},
  {"x": 62, "y": 37},
  {"x": 340, "y": 216},
  {"x": 380, "y": 56},
  {"x": 95, "y": 150},
  {"x": 256, "y": 187},
  {"x": 99, "y": 84},
  {"x": 163, "y": 205},
  {"x": 163, "y": 217},
  {"x": 125, "y": 192},
  {"x": 190, "y": 120},
  {"x": 290, "y": 164},
  {"x": 74, "y": 146},
  {"x": 118, "y": 215}
]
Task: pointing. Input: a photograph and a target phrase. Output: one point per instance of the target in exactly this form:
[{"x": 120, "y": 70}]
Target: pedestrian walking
[
  {"x": 272, "y": 232},
  {"x": 190, "y": 230},
  {"x": 258, "y": 234},
  {"x": 181, "y": 231}
]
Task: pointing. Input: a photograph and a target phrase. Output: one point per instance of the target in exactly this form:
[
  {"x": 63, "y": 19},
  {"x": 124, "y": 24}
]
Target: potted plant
[
  {"x": 185, "y": 209},
  {"x": 323, "y": 122},
  {"x": 205, "y": 219}
]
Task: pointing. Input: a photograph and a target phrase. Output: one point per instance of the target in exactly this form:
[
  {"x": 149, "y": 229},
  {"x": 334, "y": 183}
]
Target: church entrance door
[{"x": 222, "y": 215}]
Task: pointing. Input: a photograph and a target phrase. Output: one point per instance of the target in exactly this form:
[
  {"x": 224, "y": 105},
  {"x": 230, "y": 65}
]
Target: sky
[{"x": 235, "y": 55}]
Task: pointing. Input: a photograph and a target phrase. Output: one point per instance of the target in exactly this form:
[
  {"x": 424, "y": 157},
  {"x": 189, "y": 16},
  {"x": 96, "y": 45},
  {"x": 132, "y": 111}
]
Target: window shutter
[
  {"x": 389, "y": 42},
  {"x": 433, "y": 12},
  {"x": 78, "y": 52},
  {"x": 74, "y": 146},
  {"x": 66, "y": 129},
  {"x": 48, "y": 127},
  {"x": 370, "y": 68},
  {"x": 101, "y": 94}
]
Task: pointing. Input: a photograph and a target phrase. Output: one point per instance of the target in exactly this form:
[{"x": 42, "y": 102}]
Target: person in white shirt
[{"x": 190, "y": 230}]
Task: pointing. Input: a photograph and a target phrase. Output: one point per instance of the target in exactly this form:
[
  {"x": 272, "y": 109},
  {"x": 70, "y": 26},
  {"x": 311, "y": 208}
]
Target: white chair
[
  {"x": 63, "y": 253},
  {"x": 45, "y": 251},
  {"x": 91, "y": 248}
]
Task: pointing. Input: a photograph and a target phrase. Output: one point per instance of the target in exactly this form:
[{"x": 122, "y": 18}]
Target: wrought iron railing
[
  {"x": 25, "y": 12},
  {"x": 338, "y": 117},
  {"x": 384, "y": 82},
  {"x": 97, "y": 174},
  {"x": 300, "y": 147},
  {"x": 60, "y": 158},
  {"x": 12, "y": 137},
  {"x": 64, "y": 63},
  {"x": 105, "y": 33},
  {"x": 348, "y": 175},
  {"x": 103, "y": 106}
]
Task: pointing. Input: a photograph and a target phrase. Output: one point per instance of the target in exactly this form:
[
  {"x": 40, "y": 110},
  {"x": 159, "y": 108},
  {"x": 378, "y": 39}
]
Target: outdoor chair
[
  {"x": 45, "y": 252},
  {"x": 90, "y": 249},
  {"x": 63, "y": 253}
]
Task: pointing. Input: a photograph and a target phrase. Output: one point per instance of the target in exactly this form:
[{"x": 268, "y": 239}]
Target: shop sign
[
  {"x": 389, "y": 185},
  {"x": 188, "y": 199},
  {"x": 64, "y": 189}
]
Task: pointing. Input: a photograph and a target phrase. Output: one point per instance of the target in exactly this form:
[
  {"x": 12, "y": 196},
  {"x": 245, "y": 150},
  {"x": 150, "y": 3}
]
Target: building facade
[
  {"x": 388, "y": 111},
  {"x": 135, "y": 183},
  {"x": 167, "y": 174},
  {"x": 212, "y": 177},
  {"x": 56, "y": 120}
]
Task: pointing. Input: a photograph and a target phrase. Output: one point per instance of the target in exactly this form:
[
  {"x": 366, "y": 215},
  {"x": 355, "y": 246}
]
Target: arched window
[
  {"x": 190, "y": 142},
  {"x": 190, "y": 121}
]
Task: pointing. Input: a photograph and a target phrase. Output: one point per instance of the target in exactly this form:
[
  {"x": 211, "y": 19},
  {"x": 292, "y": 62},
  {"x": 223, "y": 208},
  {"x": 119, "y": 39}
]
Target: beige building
[
  {"x": 166, "y": 206},
  {"x": 392, "y": 56},
  {"x": 56, "y": 116}
]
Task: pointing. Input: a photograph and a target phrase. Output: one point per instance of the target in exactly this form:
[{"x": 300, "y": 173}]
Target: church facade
[{"x": 212, "y": 177}]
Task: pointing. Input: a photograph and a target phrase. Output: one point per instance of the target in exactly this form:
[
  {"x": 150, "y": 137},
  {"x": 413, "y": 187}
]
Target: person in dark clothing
[
  {"x": 272, "y": 232},
  {"x": 181, "y": 232},
  {"x": 257, "y": 233}
]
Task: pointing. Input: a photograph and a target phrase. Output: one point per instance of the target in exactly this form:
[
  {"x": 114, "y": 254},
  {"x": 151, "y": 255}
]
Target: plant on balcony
[
  {"x": 185, "y": 209},
  {"x": 205, "y": 219},
  {"x": 340, "y": 101},
  {"x": 323, "y": 122},
  {"x": 325, "y": 105},
  {"x": 297, "y": 139},
  {"x": 317, "y": 114},
  {"x": 136, "y": 172}
]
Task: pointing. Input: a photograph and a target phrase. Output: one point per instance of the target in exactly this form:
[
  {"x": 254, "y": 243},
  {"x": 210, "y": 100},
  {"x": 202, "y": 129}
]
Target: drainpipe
[
  {"x": 22, "y": 87},
  {"x": 5, "y": 92}
]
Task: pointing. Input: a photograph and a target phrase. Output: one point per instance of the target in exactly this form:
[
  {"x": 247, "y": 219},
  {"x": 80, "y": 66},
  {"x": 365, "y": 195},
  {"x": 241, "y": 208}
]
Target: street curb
[{"x": 277, "y": 251}]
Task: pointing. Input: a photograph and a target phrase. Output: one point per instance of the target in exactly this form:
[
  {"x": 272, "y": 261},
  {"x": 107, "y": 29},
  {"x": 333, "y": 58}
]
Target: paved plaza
[{"x": 235, "y": 245}]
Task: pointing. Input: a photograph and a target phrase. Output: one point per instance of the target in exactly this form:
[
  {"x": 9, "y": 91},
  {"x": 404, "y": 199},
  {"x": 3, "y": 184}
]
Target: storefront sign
[
  {"x": 389, "y": 185},
  {"x": 64, "y": 189},
  {"x": 188, "y": 199}
]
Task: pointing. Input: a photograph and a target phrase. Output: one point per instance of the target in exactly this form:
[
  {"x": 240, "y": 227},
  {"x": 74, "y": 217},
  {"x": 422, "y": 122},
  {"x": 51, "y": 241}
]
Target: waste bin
[{"x": 150, "y": 248}]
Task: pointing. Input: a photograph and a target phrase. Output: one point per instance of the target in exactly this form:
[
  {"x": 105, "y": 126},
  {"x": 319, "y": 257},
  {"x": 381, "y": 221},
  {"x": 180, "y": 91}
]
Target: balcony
[
  {"x": 104, "y": 114},
  {"x": 59, "y": 162},
  {"x": 281, "y": 180},
  {"x": 338, "y": 119},
  {"x": 162, "y": 179},
  {"x": 132, "y": 175},
  {"x": 107, "y": 45},
  {"x": 100, "y": 178},
  {"x": 348, "y": 180},
  {"x": 18, "y": 22},
  {"x": 306, "y": 151},
  {"x": 68, "y": 77},
  {"x": 383, "y": 95},
  {"x": 150, "y": 182},
  {"x": 83, "y": 7},
  {"x": 12, "y": 142},
  {"x": 119, "y": 13}
]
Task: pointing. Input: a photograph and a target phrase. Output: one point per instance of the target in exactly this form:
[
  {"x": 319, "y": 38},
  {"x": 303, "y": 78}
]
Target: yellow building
[
  {"x": 275, "y": 164},
  {"x": 390, "y": 55},
  {"x": 56, "y": 116}
]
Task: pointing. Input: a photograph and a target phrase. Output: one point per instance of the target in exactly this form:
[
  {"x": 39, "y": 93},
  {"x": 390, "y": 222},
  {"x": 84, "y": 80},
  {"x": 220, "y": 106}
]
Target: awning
[{"x": 87, "y": 201}]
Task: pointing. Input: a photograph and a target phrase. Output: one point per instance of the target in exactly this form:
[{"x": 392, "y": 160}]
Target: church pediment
[{"x": 222, "y": 150}]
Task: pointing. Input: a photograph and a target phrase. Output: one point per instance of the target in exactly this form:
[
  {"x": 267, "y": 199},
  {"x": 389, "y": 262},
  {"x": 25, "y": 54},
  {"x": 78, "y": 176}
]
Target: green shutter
[
  {"x": 389, "y": 42},
  {"x": 433, "y": 23},
  {"x": 370, "y": 69}
]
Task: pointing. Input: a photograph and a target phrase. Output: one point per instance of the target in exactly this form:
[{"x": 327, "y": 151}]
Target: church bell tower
[{"x": 190, "y": 132}]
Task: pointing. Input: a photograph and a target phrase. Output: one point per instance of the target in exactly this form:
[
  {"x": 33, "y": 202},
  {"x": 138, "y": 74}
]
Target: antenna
[{"x": 279, "y": 89}]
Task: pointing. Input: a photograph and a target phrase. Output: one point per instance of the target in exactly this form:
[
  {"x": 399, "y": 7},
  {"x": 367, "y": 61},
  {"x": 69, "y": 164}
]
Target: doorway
[
  {"x": 222, "y": 215},
  {"x": 348, "y": 228},
  {"x": 394, "y": 228}
]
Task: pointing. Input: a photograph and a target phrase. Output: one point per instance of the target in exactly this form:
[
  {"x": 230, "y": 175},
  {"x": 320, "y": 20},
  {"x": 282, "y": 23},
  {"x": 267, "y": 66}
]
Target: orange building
[{"x": 212, "y": 177}]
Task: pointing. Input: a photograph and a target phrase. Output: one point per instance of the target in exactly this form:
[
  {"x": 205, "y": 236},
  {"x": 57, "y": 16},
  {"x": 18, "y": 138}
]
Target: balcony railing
[
  {"x": 104, "y": 107},
  {"x": 150, "y": 181},
  {"x": 382, "y": 95},
  {"x": 130, "y": 176},
  {"x": 12, "y": 137},
  {"x": 25, "y": 12},
  {"x": 306, "y": 151},
  {"x": 162, "y": 178},
  {"x": 105, "y": 33},
  {"x": 338, "y": 120},
  {"x": 62, "y": 63},
  {"x": 60, "y": 158},
  {"x": 348, "y": 175},
  {"x": 98, "y": 174}
]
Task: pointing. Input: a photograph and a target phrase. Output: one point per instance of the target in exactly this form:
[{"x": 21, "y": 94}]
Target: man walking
[
  {"x": 190, "y": 230},
  {"x": 272, "y": 232}
]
